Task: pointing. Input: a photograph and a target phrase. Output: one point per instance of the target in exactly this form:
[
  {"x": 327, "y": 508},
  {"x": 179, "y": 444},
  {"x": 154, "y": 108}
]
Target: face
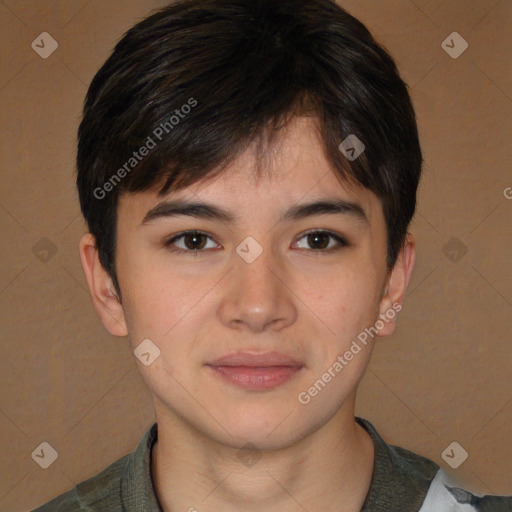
[{"x": 251, "y": 308}]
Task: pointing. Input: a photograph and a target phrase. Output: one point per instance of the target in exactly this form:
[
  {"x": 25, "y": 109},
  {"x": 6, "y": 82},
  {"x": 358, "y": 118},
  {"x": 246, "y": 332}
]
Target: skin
[{"x": 293, "y": 298}]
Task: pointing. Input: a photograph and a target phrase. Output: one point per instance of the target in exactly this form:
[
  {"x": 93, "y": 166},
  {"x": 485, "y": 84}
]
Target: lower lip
[{"x": 257, "y": 378}]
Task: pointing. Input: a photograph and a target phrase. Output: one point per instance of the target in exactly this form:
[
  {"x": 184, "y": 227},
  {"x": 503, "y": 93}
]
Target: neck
[{"x": 330, "y": 469}]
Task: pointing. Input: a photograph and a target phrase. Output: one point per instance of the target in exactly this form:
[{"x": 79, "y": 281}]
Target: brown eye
[
  {"x": 190, "y": 241},
  {"x": 194, "y": 241},
  {"x": 320, "y": 240}
]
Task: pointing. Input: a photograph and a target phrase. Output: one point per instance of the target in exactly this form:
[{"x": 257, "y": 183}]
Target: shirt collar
[
  {"x": 137, "y": 489},
  {"x": 400, "y": 478}
]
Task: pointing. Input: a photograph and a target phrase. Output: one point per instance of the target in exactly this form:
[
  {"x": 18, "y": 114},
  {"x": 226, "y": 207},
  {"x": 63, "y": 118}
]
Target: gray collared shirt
[{"x": 400, "y": 482}]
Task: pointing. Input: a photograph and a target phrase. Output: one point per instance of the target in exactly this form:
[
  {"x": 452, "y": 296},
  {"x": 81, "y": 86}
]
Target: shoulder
[
  {"x": 101, "y": 492},
  {"x": 124, "y": 485},
  {"x": 404, "y": 480},
  {"x": 444, "y": 496},
  {"x": 400, "y": 479}
]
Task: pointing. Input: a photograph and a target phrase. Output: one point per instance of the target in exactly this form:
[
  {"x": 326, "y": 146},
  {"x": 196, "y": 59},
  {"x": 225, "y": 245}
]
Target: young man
[{"x": 248, "y": 171}]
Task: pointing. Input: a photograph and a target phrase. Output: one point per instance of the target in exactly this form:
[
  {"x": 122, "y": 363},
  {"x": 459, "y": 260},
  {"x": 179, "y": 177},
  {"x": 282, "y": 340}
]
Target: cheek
[
  {"x": 168, "y": 305},
  {"x": 345, "y": 300},
  {"x": 152, "y": 300}
]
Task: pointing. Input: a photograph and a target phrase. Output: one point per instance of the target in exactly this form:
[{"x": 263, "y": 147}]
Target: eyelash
[{"x": 169, "y": 243}]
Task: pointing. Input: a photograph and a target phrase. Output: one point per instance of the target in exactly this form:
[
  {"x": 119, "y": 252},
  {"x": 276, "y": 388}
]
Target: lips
[
  {"x": 256, "y": 359},
  {"x": 256, "y": 371}
]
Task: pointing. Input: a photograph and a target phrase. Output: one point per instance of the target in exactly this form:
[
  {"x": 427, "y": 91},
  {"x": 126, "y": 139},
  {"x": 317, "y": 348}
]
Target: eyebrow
[{"x": 201, "y": 210}]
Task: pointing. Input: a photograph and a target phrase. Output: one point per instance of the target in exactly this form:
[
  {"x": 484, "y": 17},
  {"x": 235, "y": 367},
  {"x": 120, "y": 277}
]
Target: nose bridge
[
  {"x": 256, "y": 269},
  {"x": 257, "y": 295}
]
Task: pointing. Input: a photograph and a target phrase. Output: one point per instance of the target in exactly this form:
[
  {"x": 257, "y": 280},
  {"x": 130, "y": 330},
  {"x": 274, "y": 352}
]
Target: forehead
[{"x": 266, "y": 178}]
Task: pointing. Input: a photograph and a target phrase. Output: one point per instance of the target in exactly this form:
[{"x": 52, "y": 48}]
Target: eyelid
[
  {"x": 169, "y": 241},
  {"x": 342, "y": 242}
]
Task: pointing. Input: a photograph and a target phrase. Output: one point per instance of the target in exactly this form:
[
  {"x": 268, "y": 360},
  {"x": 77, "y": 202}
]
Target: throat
[{"x": 291, "y": 481}]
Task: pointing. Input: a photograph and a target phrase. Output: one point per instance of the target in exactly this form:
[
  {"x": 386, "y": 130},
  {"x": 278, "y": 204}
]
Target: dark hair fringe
[{"x": 250, "y": 65}]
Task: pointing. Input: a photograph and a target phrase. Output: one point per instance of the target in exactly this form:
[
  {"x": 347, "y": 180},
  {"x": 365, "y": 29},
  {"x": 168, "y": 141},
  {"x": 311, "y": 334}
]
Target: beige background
[{"x": 443, "y": 377}]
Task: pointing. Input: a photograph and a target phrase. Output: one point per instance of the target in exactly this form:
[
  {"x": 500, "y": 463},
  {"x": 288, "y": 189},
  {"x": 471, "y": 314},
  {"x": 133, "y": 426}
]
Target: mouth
[{"x": 256, "y": 371}]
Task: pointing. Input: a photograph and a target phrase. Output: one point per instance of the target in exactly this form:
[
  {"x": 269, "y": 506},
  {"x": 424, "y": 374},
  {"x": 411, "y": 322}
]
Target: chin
[{"x": 266, "y": 427}]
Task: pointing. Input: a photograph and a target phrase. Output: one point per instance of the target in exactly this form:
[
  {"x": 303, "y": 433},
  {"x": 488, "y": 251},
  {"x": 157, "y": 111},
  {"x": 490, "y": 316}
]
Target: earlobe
[
  {"x": 396, "y": 287},
  {"x": 101, "y": 288}
]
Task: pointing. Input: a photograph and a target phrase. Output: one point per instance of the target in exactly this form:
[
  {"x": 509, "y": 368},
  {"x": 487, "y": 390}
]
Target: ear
[
  {"x": 101, "y": 288},
  {"x": 396, "y": 286}
]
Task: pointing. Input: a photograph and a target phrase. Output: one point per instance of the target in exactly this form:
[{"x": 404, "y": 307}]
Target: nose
[{"x": 257, "y": 296}]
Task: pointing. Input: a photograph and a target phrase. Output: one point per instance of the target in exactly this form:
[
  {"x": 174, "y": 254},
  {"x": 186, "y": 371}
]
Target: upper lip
[{"x": 255, "y": 359}]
